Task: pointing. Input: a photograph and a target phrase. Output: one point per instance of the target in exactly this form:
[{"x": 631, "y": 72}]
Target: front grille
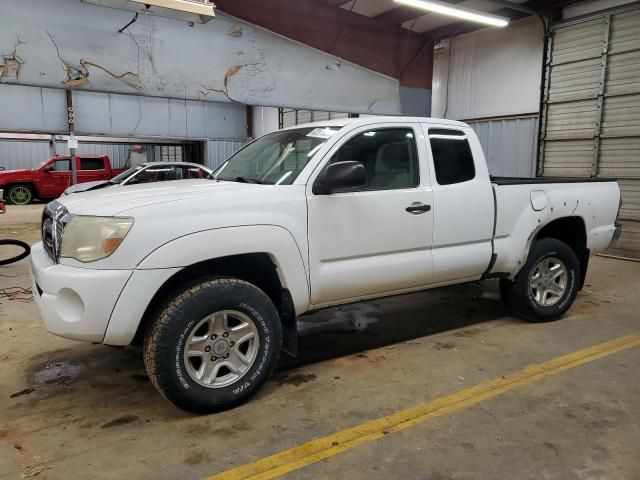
[{"x": 54, "y": 219}]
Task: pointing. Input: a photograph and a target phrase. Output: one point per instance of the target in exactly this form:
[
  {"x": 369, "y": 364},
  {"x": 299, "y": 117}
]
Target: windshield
[
  {"x": 126, "y": 175},
  {"x": 40, "y": 165},
  {"x": 277, "y": 158}
]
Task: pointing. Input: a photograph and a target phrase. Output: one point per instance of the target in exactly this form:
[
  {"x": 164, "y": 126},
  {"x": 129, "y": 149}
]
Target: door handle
[{"x": 417, "y": 208}]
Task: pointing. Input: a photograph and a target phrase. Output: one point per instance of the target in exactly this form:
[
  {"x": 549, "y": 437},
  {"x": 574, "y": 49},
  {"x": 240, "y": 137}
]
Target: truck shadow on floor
[
  {"x": 94, "y": 373},
  {"x": 353, "y": 329}
]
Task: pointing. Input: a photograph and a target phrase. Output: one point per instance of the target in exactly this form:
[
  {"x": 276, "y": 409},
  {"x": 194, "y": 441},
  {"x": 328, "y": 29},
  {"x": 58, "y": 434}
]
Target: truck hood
[
  {"x": 123, "y": 200},
  {"x": 14, "y": 173},
  {"x": 86, "y": 186}
]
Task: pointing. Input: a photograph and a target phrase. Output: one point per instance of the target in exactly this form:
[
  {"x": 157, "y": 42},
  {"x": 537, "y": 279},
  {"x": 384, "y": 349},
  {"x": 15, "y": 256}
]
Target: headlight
[{"x": 88, "y": 239}]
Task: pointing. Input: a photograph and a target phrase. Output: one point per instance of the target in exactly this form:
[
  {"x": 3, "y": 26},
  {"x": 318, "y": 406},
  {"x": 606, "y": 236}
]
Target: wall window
[
  {"x": 389, "y": 157},
  {"x": 91, "y": 164},
  {"x": 452, "y": 159}
]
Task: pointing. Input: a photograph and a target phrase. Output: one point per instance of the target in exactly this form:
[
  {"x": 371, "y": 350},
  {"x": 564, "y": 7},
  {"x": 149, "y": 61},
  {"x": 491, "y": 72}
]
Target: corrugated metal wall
[
  {"x": 591, "y": 116},
  {"x": 118, "y": 153},
  {"x": 290, "y": 117},
  {"x": 219, "y": 150},
  {"x": 15, "y": 155},
  {"x": 509, "y": 144},
  {"x": 126, "y": 117}
]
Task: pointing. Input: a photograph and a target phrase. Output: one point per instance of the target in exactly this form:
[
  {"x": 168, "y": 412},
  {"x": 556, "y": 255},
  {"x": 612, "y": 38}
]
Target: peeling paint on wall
[
  {"x": 11, "y": 63},
  {"x": 224, "y": 60},
  {"x": 232, "y": 71},
  {"x": 235, "y": 31},
  {"x": 77, "y": 76}
]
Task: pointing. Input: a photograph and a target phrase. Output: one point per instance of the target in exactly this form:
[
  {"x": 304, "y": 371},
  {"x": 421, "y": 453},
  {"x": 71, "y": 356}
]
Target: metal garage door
[
  {"x": 290, "y": 117},
  {"x": 591, "y": 111}
]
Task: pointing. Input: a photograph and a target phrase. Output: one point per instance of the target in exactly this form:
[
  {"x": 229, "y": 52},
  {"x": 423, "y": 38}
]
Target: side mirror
[
  {"x": 340, "y": 175},
  {"x": 48, "y": 168}
]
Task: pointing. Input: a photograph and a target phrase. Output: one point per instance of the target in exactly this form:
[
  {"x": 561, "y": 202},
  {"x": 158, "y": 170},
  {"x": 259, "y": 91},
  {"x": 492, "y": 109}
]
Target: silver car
[{"x": 147, "y": 173}]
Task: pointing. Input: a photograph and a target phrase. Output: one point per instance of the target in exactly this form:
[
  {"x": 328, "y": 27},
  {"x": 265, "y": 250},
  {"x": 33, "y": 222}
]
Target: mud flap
[{"x": 289, "y": 324}]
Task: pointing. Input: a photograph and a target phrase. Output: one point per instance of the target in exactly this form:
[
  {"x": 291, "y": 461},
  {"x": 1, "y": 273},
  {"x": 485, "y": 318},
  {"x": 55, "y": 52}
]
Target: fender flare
[{"x": 275, "y": 241}]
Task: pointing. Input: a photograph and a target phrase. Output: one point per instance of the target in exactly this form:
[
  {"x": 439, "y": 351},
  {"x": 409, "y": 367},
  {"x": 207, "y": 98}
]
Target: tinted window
[
  {"x": 452, "y": 160},
  {"x": 193, "y": 172},
  {"x": 389, "y": 157},
  {"x": 154, "y": 173},
  {"x": 91, "y": 164},
  {"x": 62, "y": 165}
]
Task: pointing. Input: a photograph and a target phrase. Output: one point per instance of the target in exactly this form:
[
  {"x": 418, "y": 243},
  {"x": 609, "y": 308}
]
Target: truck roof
[
  {"x": 341, "y": 122},
  {"x": 81, "y": 155}
]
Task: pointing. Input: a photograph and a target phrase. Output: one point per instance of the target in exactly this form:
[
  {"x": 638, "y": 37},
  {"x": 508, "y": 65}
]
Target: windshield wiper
[{"x": 243, "y": 180}]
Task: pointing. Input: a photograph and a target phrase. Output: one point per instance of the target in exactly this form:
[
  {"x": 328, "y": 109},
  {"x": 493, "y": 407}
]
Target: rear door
[
  {"x": 92, "y": 169},
  {"x": 363, "y": 241},
  {"x": 464, "y": 211}
]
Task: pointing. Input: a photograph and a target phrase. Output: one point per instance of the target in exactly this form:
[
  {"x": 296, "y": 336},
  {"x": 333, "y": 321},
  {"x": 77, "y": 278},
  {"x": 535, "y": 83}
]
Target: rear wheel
[
  {"x": 547, "y": 285},
  {"x": 19, "y": 194},
  {"x": 214, "y": 345}
]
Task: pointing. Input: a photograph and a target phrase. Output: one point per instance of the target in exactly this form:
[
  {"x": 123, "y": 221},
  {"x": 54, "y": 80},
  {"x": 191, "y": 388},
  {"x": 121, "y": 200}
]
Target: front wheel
[
  {"x": 213, "y": 345},
  {"x": 547, "y": 285},
  {"x": 19, "y": 194}
]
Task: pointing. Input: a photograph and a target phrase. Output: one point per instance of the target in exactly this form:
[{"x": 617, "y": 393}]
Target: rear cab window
[
  {"x": 92, "y": 164},
  {"x": 452, "y": 158}
]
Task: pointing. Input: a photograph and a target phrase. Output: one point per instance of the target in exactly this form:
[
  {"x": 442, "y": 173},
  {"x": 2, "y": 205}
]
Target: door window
[
  {"x": 62, "y": 165},
  {"x": 91, "y": 164},
  {"x": 452, "y": 158},
  {"x": 389, "y": 157},
  {"x": 193, "y": 172},
  {"x": 158, "y": 173}
]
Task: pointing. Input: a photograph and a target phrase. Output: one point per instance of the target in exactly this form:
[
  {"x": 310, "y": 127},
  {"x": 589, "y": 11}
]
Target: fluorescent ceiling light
[{"x": 458, "y": 12}]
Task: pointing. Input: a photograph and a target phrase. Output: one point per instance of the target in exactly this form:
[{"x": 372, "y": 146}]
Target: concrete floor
[{"x": 73, "y": 410}]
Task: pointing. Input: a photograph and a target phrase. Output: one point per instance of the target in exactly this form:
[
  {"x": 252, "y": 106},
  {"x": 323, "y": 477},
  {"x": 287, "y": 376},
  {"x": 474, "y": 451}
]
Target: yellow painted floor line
[{"x": 311, "y": 452}]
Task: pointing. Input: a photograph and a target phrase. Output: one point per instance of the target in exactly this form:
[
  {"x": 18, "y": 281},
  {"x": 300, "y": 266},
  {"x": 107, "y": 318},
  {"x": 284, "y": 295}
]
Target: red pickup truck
[{"x": 51, "y": 178}]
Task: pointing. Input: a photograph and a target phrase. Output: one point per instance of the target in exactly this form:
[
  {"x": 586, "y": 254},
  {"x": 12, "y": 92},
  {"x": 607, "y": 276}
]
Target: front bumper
[{"x": 74, "y": 302}]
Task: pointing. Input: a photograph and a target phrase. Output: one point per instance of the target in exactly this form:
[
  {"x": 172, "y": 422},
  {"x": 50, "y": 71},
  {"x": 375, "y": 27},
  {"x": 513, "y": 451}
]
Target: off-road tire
[
  {"x": 166, "y": 338},
  {"x": 517, "y": 295},
  {"x": 11, "y": 197}
]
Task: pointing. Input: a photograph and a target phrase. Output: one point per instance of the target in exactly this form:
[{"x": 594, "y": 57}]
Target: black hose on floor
[{"x": 17, "y": 258}]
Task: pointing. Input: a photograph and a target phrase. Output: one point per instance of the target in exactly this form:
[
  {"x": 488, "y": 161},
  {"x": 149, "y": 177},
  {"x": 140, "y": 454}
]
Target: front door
[
  {"x": 56, "y": 181},
  {"x": 363, "y": 241}
]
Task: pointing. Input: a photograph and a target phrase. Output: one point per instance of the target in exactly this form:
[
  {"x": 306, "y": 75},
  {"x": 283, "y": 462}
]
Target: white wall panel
[
  {"x": 219, "y": 150},
  {"x": 509, "y": 145},
  {"x": 492, "y": 72},
  {"x": 265, "y": 120}
]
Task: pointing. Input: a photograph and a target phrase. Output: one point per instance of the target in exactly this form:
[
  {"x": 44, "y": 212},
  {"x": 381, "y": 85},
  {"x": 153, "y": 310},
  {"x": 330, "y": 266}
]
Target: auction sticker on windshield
[{"x": 321, "y": 133}]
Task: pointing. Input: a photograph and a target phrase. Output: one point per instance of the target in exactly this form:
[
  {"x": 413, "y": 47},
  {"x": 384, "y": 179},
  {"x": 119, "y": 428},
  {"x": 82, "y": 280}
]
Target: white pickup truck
[{"x": 210, "y": 275}]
